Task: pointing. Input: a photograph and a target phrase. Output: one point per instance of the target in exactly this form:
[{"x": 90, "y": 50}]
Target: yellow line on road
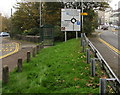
[
  {"x": 113, "y": 48},
  {"x": 16, "y": 50}
]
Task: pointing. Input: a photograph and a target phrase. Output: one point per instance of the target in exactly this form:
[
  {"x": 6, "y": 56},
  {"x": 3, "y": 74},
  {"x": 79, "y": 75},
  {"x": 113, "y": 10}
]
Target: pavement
[
  {"x": 108, "y": 54},
  {"x": 10, "y": 56}
]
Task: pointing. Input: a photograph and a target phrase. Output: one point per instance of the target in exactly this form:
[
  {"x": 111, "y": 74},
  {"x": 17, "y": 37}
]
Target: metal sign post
[
  {"x": 76, "y": 35},
  {"x": 65, "y": 36}
]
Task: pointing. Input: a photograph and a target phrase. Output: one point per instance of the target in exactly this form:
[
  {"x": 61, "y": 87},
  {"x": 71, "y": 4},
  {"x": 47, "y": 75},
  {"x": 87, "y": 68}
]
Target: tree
[
  {"x": 4, "y": 24},
  {"x": 26, "y": 17}
]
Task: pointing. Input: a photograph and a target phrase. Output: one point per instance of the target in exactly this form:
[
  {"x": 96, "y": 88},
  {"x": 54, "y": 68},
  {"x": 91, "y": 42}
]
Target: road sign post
[
  {"x": 76, "y": 35},
  {"x": 65, "y": 36},
  {"x": 70, "y": 21}
]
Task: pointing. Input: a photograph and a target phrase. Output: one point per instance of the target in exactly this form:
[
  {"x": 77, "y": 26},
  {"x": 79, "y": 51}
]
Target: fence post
[
  {"x": 102, "y": 86},
  {"x": 119, "y": 68},
  {"x": 39, "y": 46},
  {"x": 88, "y": 55},
  {"x": 83, "y": 43},
  {"x": 42, "y": 44},
  {"x": 5, "y": 74},
  {"x": 37, "y": 49},
  {"x": 81, "y": 39},
  {"x": 33, "y": 52},
  {"x": 93, "y": 67},
  {"x": 19, "y": 65},
  {"x": 28, "y": 56}
]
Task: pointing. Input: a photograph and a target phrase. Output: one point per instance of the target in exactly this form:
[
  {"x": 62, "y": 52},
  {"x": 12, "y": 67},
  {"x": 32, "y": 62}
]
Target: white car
[{"x": 4, "y": 34}]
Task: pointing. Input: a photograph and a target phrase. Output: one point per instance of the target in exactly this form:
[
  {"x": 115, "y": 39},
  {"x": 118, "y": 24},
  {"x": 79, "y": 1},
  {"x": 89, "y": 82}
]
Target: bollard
[
  {"x": 19, "y": 65},
  {"x": 83, "y": 43},
  {"x": 88, "y": 55},
  {"x": 93, "y": 67},
  {"x": 37, "y": 49},
  {"x": 102, "y": 86},
  {"x": 28, "y": 56},
  {"x": 33, "y": 52},
  {"x": 39, "y": 46},
  {"x": 5, "y": 76},
  {"x": 42, "y": 44}
]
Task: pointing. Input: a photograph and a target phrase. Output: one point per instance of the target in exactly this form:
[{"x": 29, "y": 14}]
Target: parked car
[
  {"x": 4, "y": 34},
  {"x": 104, "y": 27},
  {"x": 117, "y": 27}
]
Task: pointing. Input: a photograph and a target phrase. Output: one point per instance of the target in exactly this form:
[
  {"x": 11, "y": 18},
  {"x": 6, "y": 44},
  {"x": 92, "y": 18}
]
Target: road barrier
[
  {"x": 19, "y": 65},
  {"x": 115, "y": 84},
  {"x": 88, "y": 55},
  {"x": 5, "y": 74},
  {"x": 5, "y": 69},
  {"x": 93, "y": 67},
  {"x": 28, "y": 56}
]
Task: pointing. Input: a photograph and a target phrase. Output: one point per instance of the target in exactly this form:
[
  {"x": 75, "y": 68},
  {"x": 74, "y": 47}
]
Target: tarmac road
[
  {"x": 108, "y": 48},
  {"x": 110, "y": 37},
  {"x": 11, "y": 50},
  {"x": 8, "y": 47}
]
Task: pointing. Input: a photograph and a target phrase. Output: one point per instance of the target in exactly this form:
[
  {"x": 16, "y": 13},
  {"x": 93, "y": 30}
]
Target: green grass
[{"x": 58, "y": 69}]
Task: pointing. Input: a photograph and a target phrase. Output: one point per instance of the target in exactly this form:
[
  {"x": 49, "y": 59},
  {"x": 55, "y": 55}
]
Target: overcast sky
[{"x": 6, "y": 5}]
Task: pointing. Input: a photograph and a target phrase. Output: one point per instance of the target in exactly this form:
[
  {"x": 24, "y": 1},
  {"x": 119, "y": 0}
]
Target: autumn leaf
[
  {"x": 90, "y": 84},
  {"x": 77, "y": 86},
  {"x": 75, "y": 78},
  {"x": 104, "y": 77}
]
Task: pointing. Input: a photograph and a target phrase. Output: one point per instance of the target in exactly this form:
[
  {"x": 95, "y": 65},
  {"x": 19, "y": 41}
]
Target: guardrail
[{"x": 114, "y": 80}]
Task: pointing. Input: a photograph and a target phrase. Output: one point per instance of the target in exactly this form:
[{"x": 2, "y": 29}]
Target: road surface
[
  {"x": 110, "y": 37},
  {"x": 11, "y": 51},
  {"x": 8, "y": 47},
  {"x": 108, "y": 47}
]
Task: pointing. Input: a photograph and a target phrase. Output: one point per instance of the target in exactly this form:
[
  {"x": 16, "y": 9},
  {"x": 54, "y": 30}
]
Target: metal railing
[{"x": 114, "y": 80}]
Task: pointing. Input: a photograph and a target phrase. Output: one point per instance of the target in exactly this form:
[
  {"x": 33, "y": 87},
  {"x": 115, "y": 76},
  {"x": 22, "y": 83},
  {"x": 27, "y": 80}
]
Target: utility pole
[
  {"x": 40, "y": 15},
  {"x": 82, "y": 17},
  {"x": 11, "y": 12}
]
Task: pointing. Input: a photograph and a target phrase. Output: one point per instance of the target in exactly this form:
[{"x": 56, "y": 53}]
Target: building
[
  {"x": 108, "y": 13},
  {"x": 104, "y": 16},
  {"x": 101, "y": 17}
]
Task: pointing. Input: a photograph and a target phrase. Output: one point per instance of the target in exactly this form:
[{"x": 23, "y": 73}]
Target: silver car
[{"x": 4, "y": 34}]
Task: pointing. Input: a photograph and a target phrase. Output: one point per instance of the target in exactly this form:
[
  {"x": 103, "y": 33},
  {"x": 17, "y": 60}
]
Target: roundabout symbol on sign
[{"x": 73, "y": 20}]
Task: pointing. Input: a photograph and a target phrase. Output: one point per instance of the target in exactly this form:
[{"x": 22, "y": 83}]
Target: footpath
[{"x": 107, "y": 53}]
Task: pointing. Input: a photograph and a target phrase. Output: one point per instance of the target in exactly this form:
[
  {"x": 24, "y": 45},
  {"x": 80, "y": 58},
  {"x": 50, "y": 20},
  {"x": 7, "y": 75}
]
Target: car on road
[
  {"x": 4, "y": 34},
  {"x": 104, "y": 27},
  {"x": 116, "y": 27}
]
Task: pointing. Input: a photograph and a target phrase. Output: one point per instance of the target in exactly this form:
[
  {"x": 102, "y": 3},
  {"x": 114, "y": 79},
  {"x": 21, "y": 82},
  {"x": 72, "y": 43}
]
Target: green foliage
[
  {"x": 4, "y": 24},
  {"x": 33, "y": 31},
  {"x": 90, "y": 21},
  {"x": 27, "y": 17},
  {"x": 58, "y": 69}
]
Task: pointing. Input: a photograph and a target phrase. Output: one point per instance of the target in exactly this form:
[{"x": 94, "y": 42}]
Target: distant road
[
  {"x": 111, "y": 37},
  {"x": 108, "y": 47}
]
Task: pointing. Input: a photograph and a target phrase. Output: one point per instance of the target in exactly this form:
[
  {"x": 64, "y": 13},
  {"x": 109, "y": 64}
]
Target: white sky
[{"x": 6, "y": 5}]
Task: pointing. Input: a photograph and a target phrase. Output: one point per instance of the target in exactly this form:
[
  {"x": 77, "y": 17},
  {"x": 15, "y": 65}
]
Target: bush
[{"x": 32, "y": 31}]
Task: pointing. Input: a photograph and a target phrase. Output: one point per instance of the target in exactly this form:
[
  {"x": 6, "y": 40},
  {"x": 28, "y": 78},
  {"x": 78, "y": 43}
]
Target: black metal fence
[{"x": 35, "y": 39}]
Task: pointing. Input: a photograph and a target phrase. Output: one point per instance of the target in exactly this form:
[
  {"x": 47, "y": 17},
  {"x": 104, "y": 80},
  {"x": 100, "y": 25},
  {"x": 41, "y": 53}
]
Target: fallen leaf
[
  {"x": 89, "y": 84},
  {"x": 75, "y": 78},
  {"x": 77, "y": 86}
]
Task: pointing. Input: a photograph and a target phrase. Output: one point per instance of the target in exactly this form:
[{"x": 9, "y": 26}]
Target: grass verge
[{"x": 58, "y": 69}]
